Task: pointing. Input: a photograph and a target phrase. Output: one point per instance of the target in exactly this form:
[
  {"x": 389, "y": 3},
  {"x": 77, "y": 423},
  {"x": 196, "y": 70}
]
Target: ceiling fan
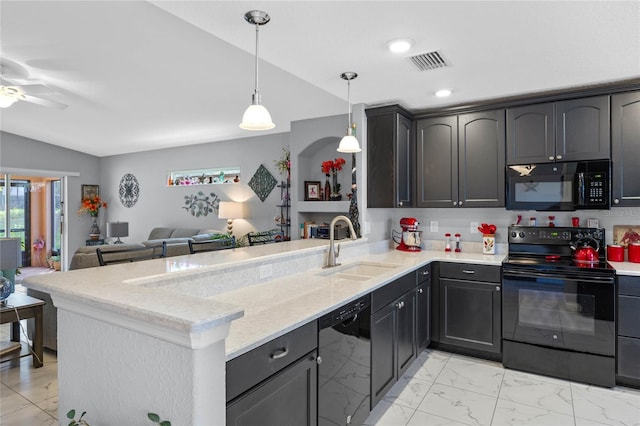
[{"x": 13, "y": 90}]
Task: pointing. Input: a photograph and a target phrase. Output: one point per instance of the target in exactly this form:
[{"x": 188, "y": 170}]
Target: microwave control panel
[{"x": 596, "y": 188}]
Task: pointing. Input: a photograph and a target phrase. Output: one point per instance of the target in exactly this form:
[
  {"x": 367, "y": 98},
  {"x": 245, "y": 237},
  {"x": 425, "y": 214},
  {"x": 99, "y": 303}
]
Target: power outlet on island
[
  {"x": 433, "y": 226},
  {"x": 474, "y": 227},
  {"x": 266, "y": 271}
]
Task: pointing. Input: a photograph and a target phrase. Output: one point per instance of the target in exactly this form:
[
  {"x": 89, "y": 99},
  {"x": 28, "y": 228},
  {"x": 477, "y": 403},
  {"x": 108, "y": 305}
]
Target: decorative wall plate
[
  {"x": 200, "y": 204},
  {"x": 129, "y": 190},
  {"x": 262, "y": 182}
]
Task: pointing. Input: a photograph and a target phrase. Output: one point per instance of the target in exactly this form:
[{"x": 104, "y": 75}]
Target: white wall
[
  {"x": 17, "y": 152},
  {"x": 161, "y": 205}
]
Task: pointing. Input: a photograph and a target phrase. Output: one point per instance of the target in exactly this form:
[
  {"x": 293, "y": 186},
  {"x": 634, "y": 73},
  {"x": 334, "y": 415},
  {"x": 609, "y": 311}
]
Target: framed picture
[
  {"x": 311, "y": 190},
  {"x": 89, "y": 191}
]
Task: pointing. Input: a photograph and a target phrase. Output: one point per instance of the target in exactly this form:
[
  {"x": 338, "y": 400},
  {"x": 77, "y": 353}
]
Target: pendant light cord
[{"x": 257, "y": 44}]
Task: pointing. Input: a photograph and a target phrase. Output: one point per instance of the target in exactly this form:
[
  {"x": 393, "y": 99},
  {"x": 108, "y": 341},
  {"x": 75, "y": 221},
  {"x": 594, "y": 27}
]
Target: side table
[{"x": 26, "y": 307}]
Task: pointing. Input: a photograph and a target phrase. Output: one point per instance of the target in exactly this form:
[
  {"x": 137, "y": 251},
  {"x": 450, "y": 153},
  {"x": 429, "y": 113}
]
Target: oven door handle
[{"x": 515, "y": 274}]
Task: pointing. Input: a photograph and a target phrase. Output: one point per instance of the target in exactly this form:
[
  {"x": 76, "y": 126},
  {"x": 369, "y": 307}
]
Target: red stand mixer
[{"x": 410, "y": 238}]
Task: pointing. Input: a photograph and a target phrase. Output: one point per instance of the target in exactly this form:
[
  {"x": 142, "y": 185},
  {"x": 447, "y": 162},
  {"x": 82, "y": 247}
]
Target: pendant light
[
  {"x": 256, "y": 117},
  {"x": 349, "y": 143}
]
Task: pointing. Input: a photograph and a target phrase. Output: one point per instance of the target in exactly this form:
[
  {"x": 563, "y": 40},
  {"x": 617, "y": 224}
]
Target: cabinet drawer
[
  {"x": 392, "y": 291},
  {"x": 628, "y": 285},
  {"x": 628, "y": 319},
  {"x": 249, "y": 369},
  {"x": 629, "y": 357},
  {"x": 468, "y": 271},
  {"x": 423, "y": 274}
]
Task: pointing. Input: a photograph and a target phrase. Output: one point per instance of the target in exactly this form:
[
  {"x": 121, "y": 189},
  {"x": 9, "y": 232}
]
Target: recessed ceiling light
[
  {"x": 443, "y": 93},
  {"x": 400, "y": 45}
]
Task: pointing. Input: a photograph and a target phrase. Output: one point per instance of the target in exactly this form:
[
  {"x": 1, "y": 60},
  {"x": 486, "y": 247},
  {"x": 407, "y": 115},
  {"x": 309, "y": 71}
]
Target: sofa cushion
[
  {"x": 160, "y": 233},
  {"x": 183, "y": 233}
]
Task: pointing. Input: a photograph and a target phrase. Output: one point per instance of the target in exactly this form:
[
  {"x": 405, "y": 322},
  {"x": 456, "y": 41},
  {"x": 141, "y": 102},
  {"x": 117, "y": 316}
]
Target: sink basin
[{"x": 359, "y": 271}]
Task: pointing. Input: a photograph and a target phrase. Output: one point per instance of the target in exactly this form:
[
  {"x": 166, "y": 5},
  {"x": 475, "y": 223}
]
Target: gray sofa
[{"x": 85, "y": 257}]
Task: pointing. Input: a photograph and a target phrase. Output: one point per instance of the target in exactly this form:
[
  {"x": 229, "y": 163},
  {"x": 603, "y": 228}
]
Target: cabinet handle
[
  {"x": 459, "y": 203},
  {"x": 399, "y": 305},
  {"x": 616, "y": 201},
  {"x": 400, "y": 203},
  {"x": 420, "y": 291},
  {"x": 455, "y": 203},
  {"x": 497, "y": 288},
  {"x": 468, "y": 271},
  {"x": 551, "y": 158},
  {"x": 280, "y": 353},
  {"x": 558, "y": 157},
  {"x": 425, "y": 272}
]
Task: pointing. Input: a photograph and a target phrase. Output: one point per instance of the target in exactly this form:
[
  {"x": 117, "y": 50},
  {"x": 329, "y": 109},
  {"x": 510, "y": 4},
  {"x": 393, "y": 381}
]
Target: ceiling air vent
[{"x": 428, "y": 61}]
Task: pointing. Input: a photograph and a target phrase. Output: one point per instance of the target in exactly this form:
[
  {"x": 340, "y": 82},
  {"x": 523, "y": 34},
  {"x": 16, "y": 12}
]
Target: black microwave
[{"x": 577, "y": 185}]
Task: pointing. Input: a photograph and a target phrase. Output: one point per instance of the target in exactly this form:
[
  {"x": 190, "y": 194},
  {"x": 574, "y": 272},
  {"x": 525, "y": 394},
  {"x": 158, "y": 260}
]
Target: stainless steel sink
[{"x": 359, "y": 271}]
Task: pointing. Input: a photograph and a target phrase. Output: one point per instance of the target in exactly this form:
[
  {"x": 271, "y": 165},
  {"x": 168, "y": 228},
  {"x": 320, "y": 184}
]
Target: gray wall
[
  {"x": 161, "y": 205},
  {"x": 17, "y": 152}
]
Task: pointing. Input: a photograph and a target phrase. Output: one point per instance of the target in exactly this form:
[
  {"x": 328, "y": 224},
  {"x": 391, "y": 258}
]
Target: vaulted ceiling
[{"x": 140, "y": 75}]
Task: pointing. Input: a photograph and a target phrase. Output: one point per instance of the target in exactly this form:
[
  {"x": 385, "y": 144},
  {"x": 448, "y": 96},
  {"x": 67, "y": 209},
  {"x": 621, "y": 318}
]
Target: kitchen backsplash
[{"x": 382, "y": 221}]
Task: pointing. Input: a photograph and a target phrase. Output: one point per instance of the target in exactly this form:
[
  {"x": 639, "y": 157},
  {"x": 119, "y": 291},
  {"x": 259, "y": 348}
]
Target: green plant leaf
[
  {"x": 165, "y": 423},
  {"x": 153, "y": 417},
  {"x": 71, "y": 414}
]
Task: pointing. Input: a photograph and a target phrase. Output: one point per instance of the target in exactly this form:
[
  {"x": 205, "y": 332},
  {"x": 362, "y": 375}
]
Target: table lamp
[
  {"x": 230, "y": 210},
  {"x": 10, "y": 254},
  {"x": 117, "y": 229}
]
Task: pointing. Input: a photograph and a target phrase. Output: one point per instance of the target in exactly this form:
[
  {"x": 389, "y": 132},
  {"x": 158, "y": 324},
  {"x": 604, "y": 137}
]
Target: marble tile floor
[{"x": 438, "y": 389}]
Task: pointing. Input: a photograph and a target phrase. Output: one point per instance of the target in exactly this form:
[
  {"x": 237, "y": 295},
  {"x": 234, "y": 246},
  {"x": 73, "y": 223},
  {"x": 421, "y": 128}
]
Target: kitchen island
[{"x": 155, "y": 335}]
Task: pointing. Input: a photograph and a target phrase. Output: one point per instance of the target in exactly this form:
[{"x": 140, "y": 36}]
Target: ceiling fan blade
[
  {"x": 22, "y": 81},
  {"x": 44, "y": 102}
]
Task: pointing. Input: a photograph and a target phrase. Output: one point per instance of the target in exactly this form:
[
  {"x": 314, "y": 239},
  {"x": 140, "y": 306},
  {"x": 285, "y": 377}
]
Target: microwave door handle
[{"x": 581, "y": 189}]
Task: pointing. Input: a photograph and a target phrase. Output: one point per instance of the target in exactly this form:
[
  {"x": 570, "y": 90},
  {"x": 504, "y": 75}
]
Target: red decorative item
[
  {"x": 447, "y": 246},
  {"x": 458, "y": 248},
  {"x": 411, "y": 237},
  {"x": 584, "y": 252},
  {"x": 634, "y": 252},
  {"x": 615, "y": 253}
]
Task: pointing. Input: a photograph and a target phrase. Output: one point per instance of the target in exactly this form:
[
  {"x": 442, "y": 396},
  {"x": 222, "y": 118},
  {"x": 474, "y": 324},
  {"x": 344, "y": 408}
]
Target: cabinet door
[
  {"x": 383, "y": 352},
  {"x": 582, "y": 129},
  {"x": 481, "y": 153},
  {"x": 530, "y": 137},
  {"x": 380, "y": 167},
  {"x": 470, "y": 314},
  {"x": 403, "y": 161},
  {"x": 625, "y": 149},
  {"x": 423, "y": 315},
  {"x": 437, "y": 162},
  {"x": 287, "y": 398},
  {"x": 406, "y": 323}
]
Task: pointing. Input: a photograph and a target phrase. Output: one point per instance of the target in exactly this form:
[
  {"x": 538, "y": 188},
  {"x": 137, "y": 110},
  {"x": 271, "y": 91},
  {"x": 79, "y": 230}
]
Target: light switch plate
[
  {"x": 474, "y": 228},
  {"x": 433, "y": 226}
]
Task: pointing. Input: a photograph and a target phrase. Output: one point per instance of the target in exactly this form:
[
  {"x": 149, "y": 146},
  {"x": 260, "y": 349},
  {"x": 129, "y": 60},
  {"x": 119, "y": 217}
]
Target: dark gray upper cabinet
[
  {"x": 625, "y": 149},
  {"x": 389, "y": 158},
  {"x": 571, "y": 130},
  {"x": 460, "y": 160}
]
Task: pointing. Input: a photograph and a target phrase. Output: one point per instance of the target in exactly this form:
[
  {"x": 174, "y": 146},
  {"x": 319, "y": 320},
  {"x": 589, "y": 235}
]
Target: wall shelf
[{"x": 323, "y": 206}]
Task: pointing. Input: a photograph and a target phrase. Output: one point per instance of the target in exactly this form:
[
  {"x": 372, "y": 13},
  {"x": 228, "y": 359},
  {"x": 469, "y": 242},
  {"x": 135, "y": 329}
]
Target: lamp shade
[
  {"x": 349, "y": 144},
  {"x": 10, "y": 253},
  {"x": 230, "y": 210},
  {"x": 256, "y": 117},
  {"x": 117, "y": 229}
]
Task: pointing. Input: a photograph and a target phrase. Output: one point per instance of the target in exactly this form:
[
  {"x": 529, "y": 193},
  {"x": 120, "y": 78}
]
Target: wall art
[
  {"x": 200, "y": 204},
  {"x": 262, "y": 182},
  {"x": 129, "y": 190}
]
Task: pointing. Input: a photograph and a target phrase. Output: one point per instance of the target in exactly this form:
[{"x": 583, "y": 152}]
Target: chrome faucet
[{"x": 333, "y": 253}]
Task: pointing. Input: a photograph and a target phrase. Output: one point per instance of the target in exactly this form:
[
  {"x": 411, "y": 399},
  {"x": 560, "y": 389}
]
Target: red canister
[
  {"x": 634, "y": 252},
  {"x": 615, "y": 253}
]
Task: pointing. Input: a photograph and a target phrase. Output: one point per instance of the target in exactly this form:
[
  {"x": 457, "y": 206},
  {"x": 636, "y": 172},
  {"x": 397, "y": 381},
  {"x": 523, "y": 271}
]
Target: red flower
[
  {"x": 92, "y": 205},
  {"x": 332, "y": 166}
]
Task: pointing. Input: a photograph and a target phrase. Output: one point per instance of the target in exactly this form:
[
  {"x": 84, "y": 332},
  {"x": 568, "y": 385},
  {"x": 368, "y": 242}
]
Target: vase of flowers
[
  {"x": 91, "y": 206},
  {"x": 333, "y": 167}
]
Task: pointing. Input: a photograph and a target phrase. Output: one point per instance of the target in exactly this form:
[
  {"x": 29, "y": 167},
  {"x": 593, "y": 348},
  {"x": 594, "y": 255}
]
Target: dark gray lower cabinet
[
  {"x": 277, "y": 383},
  {"x": 423, "y": 308},
  {"x": 470, "y": 308},
  {"x": 628, "y": 353},
  {"x": 393, "y": 334}
]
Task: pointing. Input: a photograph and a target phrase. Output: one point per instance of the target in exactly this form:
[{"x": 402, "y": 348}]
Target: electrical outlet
[
  {"x": 474, "y": 228},
  {"x": 433, "y": 226},
  {"x": 266, "y": 271}
]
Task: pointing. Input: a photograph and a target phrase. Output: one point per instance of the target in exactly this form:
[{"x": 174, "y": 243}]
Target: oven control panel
[{"x": 552, "y": 236}]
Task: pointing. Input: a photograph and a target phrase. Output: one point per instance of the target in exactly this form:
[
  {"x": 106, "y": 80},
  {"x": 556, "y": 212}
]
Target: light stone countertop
[
  {"x": 626, "y": 268},
  {"x": 198, "y": 292}
]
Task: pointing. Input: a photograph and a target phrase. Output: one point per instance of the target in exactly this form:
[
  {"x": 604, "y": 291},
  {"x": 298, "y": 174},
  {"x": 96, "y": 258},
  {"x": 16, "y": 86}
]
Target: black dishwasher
[{"x": 344, "y": 364}]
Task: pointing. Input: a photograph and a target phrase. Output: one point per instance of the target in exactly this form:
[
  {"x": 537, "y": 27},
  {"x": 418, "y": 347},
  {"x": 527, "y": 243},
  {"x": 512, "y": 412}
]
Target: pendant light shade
[
  {"x": 349, "y": 143},
  {"x": 256, "y": 117}
]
